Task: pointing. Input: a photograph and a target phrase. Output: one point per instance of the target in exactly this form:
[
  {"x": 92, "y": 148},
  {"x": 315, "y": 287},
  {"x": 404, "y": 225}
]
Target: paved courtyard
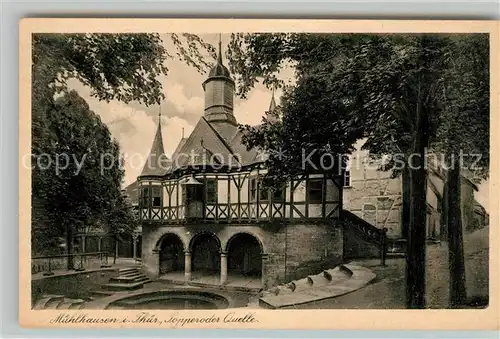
[{"x": 386, "y": 291}]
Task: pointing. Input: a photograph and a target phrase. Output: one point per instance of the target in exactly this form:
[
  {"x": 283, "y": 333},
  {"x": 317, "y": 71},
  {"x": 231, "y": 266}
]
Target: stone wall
[
  {"x": 378, "y": 201},
  {"x": 289, "y": 252},
  {"x": 75, "y": 285},
  {"x": 312, "y": 248},
  {"x": 356, "y": 246}
]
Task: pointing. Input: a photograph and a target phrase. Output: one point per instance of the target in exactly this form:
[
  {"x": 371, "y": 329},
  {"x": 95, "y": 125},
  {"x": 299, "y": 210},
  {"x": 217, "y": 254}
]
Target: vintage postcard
[{"x": 259, "y": 174}]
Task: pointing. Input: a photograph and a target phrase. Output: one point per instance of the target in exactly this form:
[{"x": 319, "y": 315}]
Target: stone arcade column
[
  {"x": 264, "y": 271},
  {"x": 223, "y": 268},
  {"x": 134, "y": 246},
  {"x": 151, "y": 264},
  {"x": 82, "y": 243},
  {"x": 187, "y": 266}
]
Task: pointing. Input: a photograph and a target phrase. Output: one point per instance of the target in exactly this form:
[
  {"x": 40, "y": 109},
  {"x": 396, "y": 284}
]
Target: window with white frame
[
  {"x": 156, "y": 196},
  {"x": 347, "y": 178}
]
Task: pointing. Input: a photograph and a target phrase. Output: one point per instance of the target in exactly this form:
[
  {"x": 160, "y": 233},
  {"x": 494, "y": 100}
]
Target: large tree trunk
[
  {"x": 415, "y": 256},
  {"x": 406, "y": 197},
  {"x": 444, "y": 213},
  {"x": 455, "y": 237}
]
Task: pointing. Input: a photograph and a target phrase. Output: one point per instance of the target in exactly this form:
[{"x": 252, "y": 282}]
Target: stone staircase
[
  {"x": 59, "y": 302},
  {"x": 128, "y": 279}
]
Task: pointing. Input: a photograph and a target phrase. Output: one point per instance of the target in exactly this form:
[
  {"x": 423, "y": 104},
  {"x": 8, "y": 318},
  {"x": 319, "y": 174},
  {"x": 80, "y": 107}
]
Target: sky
[{"x": 134, "y": 125}]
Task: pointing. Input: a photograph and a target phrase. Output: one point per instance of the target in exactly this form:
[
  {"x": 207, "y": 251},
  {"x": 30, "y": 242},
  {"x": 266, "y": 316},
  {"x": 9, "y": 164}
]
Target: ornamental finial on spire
[
  {"x": 219, "y": 57},
  {"x": 272, "y": 104}
]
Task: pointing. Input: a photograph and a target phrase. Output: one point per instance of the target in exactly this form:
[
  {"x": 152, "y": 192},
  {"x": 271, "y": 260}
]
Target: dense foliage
[
  {"x": 87, "y": 191},
  {"x": 404, "y": 94}
]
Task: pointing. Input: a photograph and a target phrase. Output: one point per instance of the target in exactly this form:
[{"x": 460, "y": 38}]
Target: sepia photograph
[{"x": 240, "y": 172}]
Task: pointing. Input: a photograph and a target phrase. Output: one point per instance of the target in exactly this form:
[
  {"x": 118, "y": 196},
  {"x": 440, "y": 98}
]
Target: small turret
[
  {"x": 157, "y": 162},
  {"x": 219, "y": 93}
]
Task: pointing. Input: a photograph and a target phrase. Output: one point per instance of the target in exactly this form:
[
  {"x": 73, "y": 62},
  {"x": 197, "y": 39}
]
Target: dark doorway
[
  {"x": 244, "y": 255},
  {"x": 125, "y": 246},
  {"x": 108, "y": 245},
  {"x": 92, "y": 244},
  {"x": 171, "y": 254},
  {"x": 139, "y": 246},
  {"x": 206, "y": 253}
]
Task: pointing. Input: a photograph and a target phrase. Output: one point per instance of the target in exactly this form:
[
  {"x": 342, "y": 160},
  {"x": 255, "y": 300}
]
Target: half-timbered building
[{"x": 205, "y": 211}]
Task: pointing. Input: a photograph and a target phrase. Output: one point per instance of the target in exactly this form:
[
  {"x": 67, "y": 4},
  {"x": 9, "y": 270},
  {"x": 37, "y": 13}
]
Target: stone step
[
  {"x": 126, "y": 286},
  {"x": 129, "y": 274},
  {"x": 53, "y": 303},
  {"x": 48, "y": 301},
  {"x": 224, "y": 287},
  {"x": 128, "y": 269},
  {"x": 69, "y": 303},
  {"x": 100, "y": 294},
  {"x": 132, "y": 278},
  {"x": 77, "y": 306},
  {"x": 40, "y": 303},
  {"x": 64, "y": 305}
]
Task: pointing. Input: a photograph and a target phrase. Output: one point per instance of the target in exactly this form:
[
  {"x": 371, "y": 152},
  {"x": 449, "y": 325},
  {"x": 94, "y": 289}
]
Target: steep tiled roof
[
  {"x": 272, "y": 104},
  {"x": 219, "y": 70},
  {"x": 179, "y": 146},
  {"x": 132, "y": 192},
  {"x": 225, "y": 129},
  {"x": 200, "y": 146},
  {"x": 157, "y": 162},
  {"x": 272, "y": 108},
  {"x": 247, "y": 156}
]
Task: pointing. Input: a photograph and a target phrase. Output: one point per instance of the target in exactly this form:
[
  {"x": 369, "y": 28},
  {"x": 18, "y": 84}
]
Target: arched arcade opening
[
  {"x": 171, "y": 254},
  {"x": 205, "y": 248},
  {"x": 244, "y": 255}
]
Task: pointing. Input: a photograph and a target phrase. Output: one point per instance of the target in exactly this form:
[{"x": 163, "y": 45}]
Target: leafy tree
[
  {"x": 463, "y": 130},
  {"x": 386, "y": 88},
  {"x": 85, "y": 166},
  {"x": 121, "y": 67},
  {"x": 121, "y": 219}
]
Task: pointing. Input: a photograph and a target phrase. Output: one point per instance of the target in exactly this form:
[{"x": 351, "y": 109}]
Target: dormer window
[
  {"x": 193, "y": 197},
  {"x": 211, "y": 191},
  {"x": 156, "y": 196},
  {"x": 279, "y": 195},
  {"x": 253, "y": 189},
  {"x": 315, "y": 191},
  {"x": 145, "y": 196},
  {"x": 151, "y": 196},
  {"x": 263, "y": 193}
]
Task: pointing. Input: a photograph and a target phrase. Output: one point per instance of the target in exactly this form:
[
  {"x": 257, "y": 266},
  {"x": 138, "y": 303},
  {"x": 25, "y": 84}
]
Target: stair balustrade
[
  {"x": 369, "y": 232},
  {"x": 81, "y": 261}
]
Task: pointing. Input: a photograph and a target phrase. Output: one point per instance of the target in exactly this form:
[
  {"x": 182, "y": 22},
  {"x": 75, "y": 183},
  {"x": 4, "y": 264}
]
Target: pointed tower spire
[
  {"x": 271, "y": 116},
  {"x": 219, "y": 96},
  {"x": 272, "y": 104},
  {"x": 219, "y": 56},
  {"x": 156, "y": 163}
]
